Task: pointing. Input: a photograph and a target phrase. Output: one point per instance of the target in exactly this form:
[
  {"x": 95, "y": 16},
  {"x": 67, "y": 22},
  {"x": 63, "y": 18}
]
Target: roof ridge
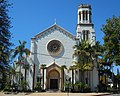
[{"x": 64, "y": 31}]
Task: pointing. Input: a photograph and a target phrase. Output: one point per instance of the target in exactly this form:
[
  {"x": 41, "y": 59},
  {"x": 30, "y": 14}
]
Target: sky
[{"x": 29, "y": 17}]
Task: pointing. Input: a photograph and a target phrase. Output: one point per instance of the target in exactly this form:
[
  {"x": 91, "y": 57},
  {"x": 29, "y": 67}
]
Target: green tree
[
  {"x": 43, "y": 67},
  {"x": 5, "y": 37},
  {"x": 26, "y": 67},
  {"x": 96, "y": 54},
  {"x": 81, "y": 51},
  {"x": 20, "y": 51},
  {"x": 111, "y": 38},
  {"x": 13, "y": 71}
]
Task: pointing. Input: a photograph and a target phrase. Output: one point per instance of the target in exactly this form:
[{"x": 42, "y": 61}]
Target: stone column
[
  {"x": 45, "y": 81},
  {"x": 88, "y": 17},
  {"x": 81, "y": 16},
  {"x": 60, "y": 83}
]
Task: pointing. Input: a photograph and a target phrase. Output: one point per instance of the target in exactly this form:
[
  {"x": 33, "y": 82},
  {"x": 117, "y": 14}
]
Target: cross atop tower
[{"x": 55, "y": 21}]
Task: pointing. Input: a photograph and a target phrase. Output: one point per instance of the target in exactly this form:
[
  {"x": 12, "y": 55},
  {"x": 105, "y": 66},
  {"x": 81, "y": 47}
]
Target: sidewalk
[
  {"x": 69, "y": 94},
  {"x": 56, "y": 94}
]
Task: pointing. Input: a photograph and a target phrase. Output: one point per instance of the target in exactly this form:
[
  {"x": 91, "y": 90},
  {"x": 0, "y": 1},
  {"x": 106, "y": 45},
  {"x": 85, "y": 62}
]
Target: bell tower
[{"x": 85, "y": 27}]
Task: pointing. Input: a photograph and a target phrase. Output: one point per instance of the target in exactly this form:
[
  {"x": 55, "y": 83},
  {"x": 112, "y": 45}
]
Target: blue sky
[{"x": 29, "y": 17}]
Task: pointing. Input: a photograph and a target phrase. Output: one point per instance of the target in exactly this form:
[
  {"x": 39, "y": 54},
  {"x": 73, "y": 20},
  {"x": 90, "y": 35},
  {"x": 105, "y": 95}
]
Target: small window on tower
[
  {"x": 87, "y": 34},
  {"x": 83, "y": 34}
]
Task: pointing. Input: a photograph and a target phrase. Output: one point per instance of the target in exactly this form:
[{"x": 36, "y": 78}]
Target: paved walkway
[{"x": 58, "y": 94}]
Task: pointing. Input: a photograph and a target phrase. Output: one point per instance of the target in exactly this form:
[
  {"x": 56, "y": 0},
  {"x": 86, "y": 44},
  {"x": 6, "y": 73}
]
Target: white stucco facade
[{"x": 40, "y": 54}]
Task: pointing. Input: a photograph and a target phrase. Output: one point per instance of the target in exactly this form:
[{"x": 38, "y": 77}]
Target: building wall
[{"x": 41, "y": 55}]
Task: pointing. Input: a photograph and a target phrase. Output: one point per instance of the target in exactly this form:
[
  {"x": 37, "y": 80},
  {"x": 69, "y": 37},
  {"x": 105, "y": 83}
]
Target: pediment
[
  {"x": 53, "y": 66},
  {"x": 52, "y": 28}
]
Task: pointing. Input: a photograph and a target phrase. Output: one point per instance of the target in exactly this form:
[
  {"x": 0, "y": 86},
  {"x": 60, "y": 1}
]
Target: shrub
[
  {"x": 7, "y": 88},
  {"x": 86, "y": 88},
  {"x": 38, "y": 86},
  {"x": 81, "y": 87},
  {"x": 23, "y": 85}
]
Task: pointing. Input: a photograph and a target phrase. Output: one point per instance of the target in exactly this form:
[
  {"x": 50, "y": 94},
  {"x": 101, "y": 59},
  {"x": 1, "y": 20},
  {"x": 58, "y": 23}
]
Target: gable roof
[
  {"x": 54, "y": 65},
  {"x": 54, "y": 27}
]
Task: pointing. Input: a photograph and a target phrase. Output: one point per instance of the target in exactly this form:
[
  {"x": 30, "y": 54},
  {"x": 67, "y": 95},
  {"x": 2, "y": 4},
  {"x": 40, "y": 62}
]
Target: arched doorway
[{"x": 53, "y": 79}]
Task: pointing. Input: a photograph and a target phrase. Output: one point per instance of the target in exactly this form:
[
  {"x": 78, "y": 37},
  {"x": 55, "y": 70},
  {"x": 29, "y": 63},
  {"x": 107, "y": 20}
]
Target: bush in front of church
[
  {"x": 81, "y": 87},
  {"x": 38, "y": 87}
]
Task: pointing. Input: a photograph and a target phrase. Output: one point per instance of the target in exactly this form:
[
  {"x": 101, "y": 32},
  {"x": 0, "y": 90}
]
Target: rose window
[{"x": 54, "y": 47}]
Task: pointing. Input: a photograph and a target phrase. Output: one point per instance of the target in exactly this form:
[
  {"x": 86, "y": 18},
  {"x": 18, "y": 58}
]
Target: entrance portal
[
  {"x": 53, "y": 80},
  {"x": 53, "y": 83}
]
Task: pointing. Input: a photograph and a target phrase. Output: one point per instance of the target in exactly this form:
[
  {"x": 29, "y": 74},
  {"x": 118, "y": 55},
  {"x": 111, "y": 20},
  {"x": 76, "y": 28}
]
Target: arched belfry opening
[{"x": 84, "y": 14}]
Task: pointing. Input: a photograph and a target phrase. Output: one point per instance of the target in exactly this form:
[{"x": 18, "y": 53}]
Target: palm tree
[
  {"x": 72, "y": 68},
  {"x": 83, "y": 57},
  {"x": 84, "y": 62},
  {"x": 43, "y": 67},
  {"x": 88, "y": 67},
  {"x": 82, "y": 69},
  {"x": 20, "y": 51},
  {"x": 26, "y": 67},
  {"x": 63, "y": 74},
  {"x": 96, "y": 54},
  {"x": 13, "y": 72}
]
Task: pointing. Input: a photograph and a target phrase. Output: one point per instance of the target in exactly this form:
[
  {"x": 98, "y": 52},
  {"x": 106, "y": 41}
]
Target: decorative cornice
[
  {"x": 51, "y": 28},
  {"x": 85, "y": 24},
  {"x": 84, "y": 6}
]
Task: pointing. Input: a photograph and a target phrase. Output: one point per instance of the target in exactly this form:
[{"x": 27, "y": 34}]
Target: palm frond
[
  {"x": 43, "y": 66},
  {"x": 63, "y": 67},
  {"x": 27, "y": 51},
  {"x": 20, "y": 50}
]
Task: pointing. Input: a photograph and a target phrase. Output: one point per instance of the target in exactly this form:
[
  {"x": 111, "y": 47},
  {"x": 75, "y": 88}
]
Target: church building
[{"x": 52, "y": 49}]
